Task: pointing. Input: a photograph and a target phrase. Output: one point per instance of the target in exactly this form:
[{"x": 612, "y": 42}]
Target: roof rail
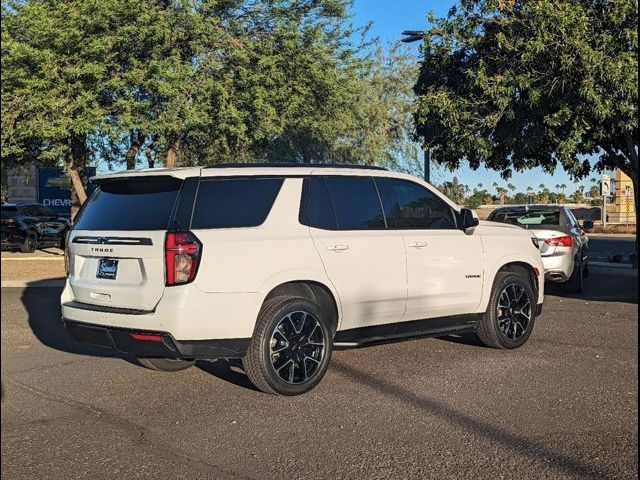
[{"x": 294, "y": 165}]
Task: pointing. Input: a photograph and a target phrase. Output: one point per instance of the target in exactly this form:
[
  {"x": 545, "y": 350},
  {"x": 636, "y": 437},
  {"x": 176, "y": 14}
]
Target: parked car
[
  {"x": 277, "y": 265},
  {"x": 562, "y": 240},
  {"x": 29, "y": 226}
]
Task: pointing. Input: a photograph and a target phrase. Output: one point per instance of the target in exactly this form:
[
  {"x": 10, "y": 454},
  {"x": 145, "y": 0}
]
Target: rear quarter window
[
  {"x": 234, "y": 202},
  {"x": 130, "y": 204}
]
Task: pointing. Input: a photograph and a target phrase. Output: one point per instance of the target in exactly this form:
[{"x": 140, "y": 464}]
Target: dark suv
[{"x": 28, "y": 226}]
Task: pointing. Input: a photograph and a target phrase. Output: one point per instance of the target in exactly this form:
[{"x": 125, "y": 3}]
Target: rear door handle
[
  {"x": 418, "y": 244},
  {"x": 337, "y": 248}
]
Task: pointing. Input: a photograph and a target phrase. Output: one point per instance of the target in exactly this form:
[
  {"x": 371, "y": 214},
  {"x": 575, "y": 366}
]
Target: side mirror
[
  {"x": 587, "y": 225},
  {"x": 468, "y": 219}
]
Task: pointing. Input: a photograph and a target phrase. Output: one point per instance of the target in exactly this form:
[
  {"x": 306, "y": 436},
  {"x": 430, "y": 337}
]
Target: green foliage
[
  {"x": 479, "y": 197},
  {"x": 455, "y": 190},
  {"x": 525, "y": 83},
  {"x": 201, "y": 82}
]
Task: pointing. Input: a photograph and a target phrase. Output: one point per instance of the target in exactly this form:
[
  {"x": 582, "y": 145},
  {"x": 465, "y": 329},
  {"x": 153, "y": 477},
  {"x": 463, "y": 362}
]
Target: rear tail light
[
  {"x": 566, "y": 241},
  {"x": 182, "y": 256}
]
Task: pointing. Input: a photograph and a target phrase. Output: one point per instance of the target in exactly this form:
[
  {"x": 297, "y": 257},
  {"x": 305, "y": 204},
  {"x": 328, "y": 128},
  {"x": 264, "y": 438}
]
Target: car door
[
  {"x": 49, "y": 224},
  {"x": 444, "y": 264},
  {"x": 364, "y": 260}
]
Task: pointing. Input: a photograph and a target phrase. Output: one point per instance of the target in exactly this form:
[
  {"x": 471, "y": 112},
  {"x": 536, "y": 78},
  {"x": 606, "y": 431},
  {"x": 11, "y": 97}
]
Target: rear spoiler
[{"x": 179, "y": 173}]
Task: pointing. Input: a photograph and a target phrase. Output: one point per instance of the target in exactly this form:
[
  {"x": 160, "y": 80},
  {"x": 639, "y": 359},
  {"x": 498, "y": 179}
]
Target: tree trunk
[
  {"x": 634, "y": 179},
  {"x": 172, "y": 155},
  {"x": 149, "y": 154},
  {"x": 76, "y": 162}
]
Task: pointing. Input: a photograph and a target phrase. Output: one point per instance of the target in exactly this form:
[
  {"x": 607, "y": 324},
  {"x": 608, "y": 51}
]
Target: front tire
[
  {"x": 166, "y": 364},
  {"x": 30, "y": 243},
  {"x": 510, "y": 316},
  {"x": 291, "y": 347}
]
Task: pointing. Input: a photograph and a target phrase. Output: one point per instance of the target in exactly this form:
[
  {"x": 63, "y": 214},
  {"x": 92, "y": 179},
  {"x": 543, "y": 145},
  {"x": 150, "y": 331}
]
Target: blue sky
[{"x": 390, "y": 18}]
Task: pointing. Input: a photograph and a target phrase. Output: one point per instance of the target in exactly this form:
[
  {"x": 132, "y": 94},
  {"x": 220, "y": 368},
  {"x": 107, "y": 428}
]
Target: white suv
[{"x": 278, "y": 264}]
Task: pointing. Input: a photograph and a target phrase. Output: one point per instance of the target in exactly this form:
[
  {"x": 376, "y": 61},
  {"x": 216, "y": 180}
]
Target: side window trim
[
  {"x": 384, "y": 214},
  {"x": 387, "y": 202},
  {"x": 333, "y": 203}
]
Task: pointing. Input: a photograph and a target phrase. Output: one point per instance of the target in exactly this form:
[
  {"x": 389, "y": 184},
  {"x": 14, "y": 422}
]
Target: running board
[{"x": 376, "y": 334}]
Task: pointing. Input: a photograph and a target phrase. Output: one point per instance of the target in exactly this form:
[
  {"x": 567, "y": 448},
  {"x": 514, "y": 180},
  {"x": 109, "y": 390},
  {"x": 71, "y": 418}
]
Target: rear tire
[
  {"x": 166, "y": 364},
  {"x": 291, "y": 346},
  {"x": 510, "y": 316},
  {"x": 575, "y": 282},
  {"x": 30, "y": 243}
]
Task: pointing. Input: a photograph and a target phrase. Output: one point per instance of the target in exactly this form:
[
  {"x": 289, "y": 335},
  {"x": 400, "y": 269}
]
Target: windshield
[{"x": 527, "y": 218}]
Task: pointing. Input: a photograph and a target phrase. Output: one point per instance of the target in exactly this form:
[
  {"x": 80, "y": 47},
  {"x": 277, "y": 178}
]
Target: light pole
[{"x": 410, "y": 37}]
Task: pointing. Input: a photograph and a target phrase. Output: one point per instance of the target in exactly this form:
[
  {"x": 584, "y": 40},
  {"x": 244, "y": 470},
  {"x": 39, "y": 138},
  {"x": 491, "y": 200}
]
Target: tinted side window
[
  {"x": 130, "y": 204},
  {"x": 416, "y": 208},
  {"x": 9, "y": 211},
  {"x": 29, "y": 211},
  {"x": 357, "y": 203},
  {"x": 45, "y": 211},
  {"x": 234, "y": 202},
  {"x": 317, "y": 210}
]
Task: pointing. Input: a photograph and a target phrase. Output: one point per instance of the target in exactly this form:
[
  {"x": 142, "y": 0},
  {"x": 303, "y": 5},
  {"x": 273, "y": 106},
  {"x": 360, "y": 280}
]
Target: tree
[
  {"x": 59, "y": 72},
  {"x": 594, "y": 195},
  {"x": 200, "y": 83},
  {"x": 521, "y": 84},
  {"x": 521, "y": 198},
  {"x": 455, "y": 190},
  {"x": 479, "y": 197}
]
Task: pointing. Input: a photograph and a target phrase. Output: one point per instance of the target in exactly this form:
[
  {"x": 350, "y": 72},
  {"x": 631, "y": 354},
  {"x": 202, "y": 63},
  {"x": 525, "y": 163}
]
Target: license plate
[{"x": 107, "y": 269}]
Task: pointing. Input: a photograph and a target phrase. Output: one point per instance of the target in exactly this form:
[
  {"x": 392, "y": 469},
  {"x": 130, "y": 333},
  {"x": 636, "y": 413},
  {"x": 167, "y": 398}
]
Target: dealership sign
[{"x": 54, "y": 188}]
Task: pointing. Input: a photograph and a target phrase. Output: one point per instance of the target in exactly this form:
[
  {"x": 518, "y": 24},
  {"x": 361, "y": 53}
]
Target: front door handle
[
  {"x": 337, "y": 248},
  {"x": 419, "y": 244}
]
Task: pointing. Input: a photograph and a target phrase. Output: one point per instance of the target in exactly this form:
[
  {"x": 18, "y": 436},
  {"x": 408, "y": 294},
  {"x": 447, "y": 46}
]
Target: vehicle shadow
[
  {"x": 230, "y": 371},
  {"x": 599, "y": 287},
  {"x": 42, "y": 304},
  {"x": 466, "y": 337}
]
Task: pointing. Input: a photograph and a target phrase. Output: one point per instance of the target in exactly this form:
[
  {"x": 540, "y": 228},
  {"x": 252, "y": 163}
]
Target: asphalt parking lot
[
  {"x": 603, "y": 248},
  {"x": 563, "y": 406}
]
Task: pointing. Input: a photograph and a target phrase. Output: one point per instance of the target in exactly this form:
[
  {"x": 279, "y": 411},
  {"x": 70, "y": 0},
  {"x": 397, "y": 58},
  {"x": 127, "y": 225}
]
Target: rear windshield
[
  {"x": 527, "y": 218},
  {"x": 130, "y": 204},
  {"x": 234, "y": 202},
  {"x": 9, "y": 211}
]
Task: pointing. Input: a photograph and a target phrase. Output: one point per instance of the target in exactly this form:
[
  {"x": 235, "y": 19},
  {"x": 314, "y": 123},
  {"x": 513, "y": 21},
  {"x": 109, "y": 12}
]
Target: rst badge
[{"x": 107, "y": 269}]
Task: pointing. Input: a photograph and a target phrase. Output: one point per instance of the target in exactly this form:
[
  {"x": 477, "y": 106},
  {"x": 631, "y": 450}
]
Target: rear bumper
[
  {"x": 184, "y": 312},
  {"x": 121, "y": 340},
  {"x": 558, "y": 267}
]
